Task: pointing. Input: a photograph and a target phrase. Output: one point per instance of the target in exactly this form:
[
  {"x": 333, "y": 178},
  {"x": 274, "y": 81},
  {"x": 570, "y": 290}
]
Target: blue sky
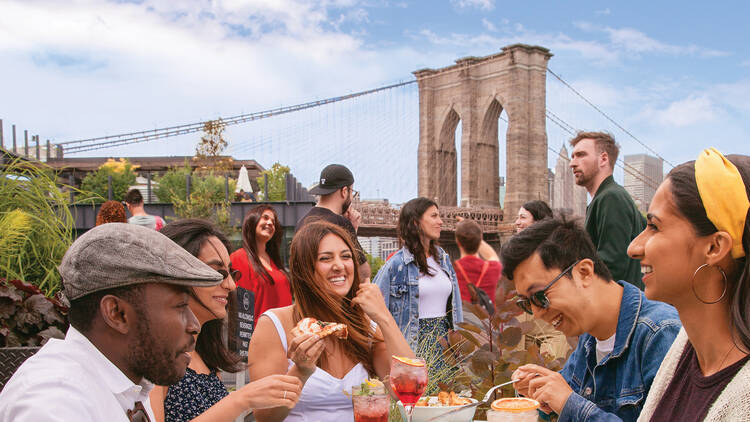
[{"x": 675, "y": 74}]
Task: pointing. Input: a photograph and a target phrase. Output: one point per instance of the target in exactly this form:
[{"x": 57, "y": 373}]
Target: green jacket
[{"x": 613, "y": 221}]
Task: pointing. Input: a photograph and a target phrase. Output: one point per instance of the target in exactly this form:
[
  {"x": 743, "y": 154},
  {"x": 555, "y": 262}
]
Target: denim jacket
[
  {"x": 398, "y": 280},
  {"x": 616, "y": 388}
]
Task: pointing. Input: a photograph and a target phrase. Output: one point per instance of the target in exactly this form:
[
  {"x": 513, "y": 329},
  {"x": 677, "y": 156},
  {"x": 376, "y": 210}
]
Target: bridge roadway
[
  {"x": 377, "y": 219},
  {"x": 381, "y": 219}
]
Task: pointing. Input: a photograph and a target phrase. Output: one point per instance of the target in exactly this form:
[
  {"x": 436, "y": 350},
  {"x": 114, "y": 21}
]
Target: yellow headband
[{"x": 724, "y": 197}]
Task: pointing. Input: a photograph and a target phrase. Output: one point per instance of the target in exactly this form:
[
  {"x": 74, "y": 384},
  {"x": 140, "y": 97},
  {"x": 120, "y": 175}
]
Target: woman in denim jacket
[{"x": 419, "y": 285}]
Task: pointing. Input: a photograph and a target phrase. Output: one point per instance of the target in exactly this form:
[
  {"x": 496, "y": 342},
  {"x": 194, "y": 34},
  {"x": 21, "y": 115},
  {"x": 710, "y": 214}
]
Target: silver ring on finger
[{"x": 284, "y": 394}]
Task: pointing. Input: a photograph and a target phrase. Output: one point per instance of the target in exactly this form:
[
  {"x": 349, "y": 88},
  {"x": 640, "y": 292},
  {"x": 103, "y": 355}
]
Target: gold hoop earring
[{"x": 723, "y": 275}]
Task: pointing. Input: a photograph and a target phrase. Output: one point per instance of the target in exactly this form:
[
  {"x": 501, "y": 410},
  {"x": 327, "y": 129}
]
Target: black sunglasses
[
  {"x": 539, "y": 298},
  {"x": 236, "y": 274}
]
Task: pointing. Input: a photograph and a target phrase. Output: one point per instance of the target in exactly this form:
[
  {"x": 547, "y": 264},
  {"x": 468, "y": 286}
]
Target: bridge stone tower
[{"x": 475, "y": 91}]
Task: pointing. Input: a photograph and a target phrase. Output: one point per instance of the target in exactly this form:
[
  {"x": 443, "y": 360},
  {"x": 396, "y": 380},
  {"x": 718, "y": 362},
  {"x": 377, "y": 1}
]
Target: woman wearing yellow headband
[{"x": 693, "y": 255}]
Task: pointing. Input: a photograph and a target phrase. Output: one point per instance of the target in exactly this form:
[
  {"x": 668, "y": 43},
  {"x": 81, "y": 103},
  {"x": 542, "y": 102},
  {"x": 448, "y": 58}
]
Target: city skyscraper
[{"x": 643, "y": 174}]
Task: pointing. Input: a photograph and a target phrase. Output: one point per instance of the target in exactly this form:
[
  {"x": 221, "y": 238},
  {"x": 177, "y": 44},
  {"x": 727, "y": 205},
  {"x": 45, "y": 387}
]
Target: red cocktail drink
[
  {"x": 371, "y": 404},
  {"x": 409, "y": 388},
  {"x": 408, "y": 380}
]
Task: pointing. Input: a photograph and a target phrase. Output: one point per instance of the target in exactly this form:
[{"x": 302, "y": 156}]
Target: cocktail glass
[
  {"x": 408, "y": 380},
  {"x": 373, "y": 407}
]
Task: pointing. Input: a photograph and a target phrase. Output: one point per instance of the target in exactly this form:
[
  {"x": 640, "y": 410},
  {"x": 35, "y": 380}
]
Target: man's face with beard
[
  {"x": 584, "y": 162},
  {"x": 348, "y": 201},
  {"x": 164, "y": 334}
]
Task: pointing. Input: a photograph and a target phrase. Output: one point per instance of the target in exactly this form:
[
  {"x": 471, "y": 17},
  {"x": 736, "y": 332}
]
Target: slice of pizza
[{"x": 322, "y": 329}]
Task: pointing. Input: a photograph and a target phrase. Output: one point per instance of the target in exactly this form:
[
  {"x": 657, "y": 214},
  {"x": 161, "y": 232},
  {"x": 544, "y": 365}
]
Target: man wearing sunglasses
[{"x": 623, "y": 336}]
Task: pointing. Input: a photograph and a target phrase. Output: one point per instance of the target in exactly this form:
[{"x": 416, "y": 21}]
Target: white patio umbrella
[{"x": 243, "y": 181}]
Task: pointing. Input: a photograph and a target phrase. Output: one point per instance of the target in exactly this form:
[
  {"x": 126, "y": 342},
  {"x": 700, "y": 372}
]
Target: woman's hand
[
  {"x": 272, "y": 391},
  {"x": 370, "y": 299},
  {"x": 304, "y": 351}
]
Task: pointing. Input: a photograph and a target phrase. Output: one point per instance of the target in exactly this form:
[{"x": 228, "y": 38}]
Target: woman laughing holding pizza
[{"x": 326, "y": 286}]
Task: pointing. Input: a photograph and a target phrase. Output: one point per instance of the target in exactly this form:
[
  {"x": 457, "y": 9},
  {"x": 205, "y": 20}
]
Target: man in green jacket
[{"x": 612, "y": 218}]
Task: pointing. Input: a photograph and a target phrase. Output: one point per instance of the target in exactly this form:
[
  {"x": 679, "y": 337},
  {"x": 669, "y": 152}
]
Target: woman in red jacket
[{"x": 259, "y": 260}]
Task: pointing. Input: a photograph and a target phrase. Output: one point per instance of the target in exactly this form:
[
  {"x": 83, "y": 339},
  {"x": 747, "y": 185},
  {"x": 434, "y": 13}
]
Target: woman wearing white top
[
  {"x": 326, "y": 286},
  {"x": 420, "y": 287}
]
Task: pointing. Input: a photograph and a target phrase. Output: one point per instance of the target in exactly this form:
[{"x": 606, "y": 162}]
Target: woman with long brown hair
[
  {"x": 259, "y": 260},
  {"x": 326, "y": 286},
  {"x": 420, "y": 285},
  {"x": 694, "y": 256}
]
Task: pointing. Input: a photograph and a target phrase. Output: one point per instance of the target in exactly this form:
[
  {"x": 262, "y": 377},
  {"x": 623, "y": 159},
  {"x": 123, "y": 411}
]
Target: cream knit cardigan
[{"x": 733, "y": 404}]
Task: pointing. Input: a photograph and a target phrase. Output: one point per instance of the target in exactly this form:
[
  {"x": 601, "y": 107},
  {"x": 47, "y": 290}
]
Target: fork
[{"x": 486, "y": 399}]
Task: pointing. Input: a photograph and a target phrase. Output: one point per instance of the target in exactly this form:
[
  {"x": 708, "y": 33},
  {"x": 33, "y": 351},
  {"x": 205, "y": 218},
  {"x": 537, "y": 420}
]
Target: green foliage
[
  {"x": 27, "y": 317},
  {"x": 95, "y": 184},
  {"x": 375, "y": 263},
  {"x": 276, "y": 183},
  {"x": 172, "y": 186},
  {"x": 36, "y": 227},
  {"x": 207, "y": 196}
]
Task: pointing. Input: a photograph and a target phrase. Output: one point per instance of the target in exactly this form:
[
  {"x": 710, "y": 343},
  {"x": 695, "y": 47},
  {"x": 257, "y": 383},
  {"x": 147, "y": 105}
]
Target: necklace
[{"x": 721, "y": 365}]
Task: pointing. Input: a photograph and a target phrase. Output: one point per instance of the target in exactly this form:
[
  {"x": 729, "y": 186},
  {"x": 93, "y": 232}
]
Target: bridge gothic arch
[
  {"x": 475, "y": 91},
  {"x": 446, "y": 146}
]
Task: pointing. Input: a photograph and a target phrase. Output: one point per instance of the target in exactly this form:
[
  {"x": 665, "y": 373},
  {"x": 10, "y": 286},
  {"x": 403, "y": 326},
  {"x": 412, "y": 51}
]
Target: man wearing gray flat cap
[{"x": 130, "y": 326}]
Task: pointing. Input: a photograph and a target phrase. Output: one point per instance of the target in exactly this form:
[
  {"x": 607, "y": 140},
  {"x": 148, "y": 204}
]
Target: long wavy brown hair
[
  {"x": 410, "y": 231},
  {"x": 312, "y": 297},
  {"x": 273, "y": 246}
]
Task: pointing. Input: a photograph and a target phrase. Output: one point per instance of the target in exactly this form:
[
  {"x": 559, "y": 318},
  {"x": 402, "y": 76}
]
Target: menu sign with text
[{"x": 245, "y": 308}]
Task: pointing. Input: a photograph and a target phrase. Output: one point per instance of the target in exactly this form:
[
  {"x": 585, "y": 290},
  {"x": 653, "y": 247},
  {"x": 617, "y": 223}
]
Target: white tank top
[
  {"x": 323, "y": 398},
  {"x": 434, "y": 291}
]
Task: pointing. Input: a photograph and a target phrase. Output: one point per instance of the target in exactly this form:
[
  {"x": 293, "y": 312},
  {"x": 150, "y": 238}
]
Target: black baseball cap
[{"x": 333, "y": 178}]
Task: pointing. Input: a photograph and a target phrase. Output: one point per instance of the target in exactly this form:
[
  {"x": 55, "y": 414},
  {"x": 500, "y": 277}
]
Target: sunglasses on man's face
[
  {"x": 236, "y": 274},
  {"x": 539, "y": 298}
]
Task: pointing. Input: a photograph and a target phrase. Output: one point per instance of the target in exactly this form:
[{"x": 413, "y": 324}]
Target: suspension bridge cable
[
  {"x": 620, "y": 162},
  {"x": 607, "y": 116},
  {"x": 148, "y": 135}
]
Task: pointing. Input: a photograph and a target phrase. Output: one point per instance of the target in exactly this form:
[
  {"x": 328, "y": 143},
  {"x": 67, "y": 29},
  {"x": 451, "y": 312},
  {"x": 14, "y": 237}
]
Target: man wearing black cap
[
  {"x": 336, "y": 193},
  {"x": 130, "y": 326}
]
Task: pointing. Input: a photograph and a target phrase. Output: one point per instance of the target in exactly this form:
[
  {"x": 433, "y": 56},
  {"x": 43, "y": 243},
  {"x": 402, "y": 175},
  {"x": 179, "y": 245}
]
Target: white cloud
[
  {"x": 480, "y": 4},
  {"x": 629, "y": 40},
  {"x": 745, "y": 63},
  {"x": 734, "y": 96},
  {"x": 596, "y": 52},
  {"x": 603, "y": 12},
  {"x": 693, "y": 110},
  {"x": 489, "y": 25}
]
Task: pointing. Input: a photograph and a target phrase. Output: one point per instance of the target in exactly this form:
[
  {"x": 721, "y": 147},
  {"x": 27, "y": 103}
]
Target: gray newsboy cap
[{"x": 121, "y": 254}]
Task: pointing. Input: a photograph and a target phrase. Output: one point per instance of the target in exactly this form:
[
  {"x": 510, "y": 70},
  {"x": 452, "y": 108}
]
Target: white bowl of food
[{"x": 434, "y": 406}]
